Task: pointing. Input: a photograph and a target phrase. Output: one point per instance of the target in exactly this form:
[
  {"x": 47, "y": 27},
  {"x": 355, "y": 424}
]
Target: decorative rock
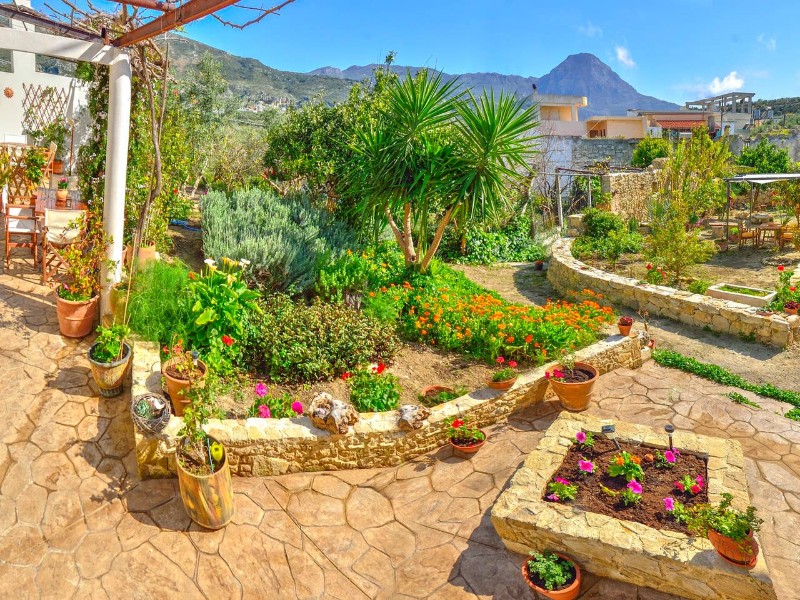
[
  {"x": 332, "y": 415},
  {"x": 412, "y": 416}
]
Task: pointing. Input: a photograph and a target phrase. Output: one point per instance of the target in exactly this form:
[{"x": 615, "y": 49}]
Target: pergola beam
[
  {"x": 152, "y": 4},
  {"x": 186, "y": 13},
  {"x": 27, "y": 15},
  {"x": 57, "y": 46}
]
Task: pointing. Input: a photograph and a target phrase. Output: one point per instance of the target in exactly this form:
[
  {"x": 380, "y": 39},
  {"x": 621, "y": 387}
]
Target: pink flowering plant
[
  {"x": 687, "y": 485},
  {"x": 273, "y": 407},
  {"x": 631, "y": 494},
  {"x": 666, "y": 459},
  {"x": 561, "y": 490},
  {"x": 506, "y": 372},
  {"x": 584, "y": 439},
  {"x": 554, "y": 375},
  {"x": 586, "y": 466}
]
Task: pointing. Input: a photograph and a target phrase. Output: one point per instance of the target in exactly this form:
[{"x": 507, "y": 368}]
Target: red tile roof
[{"x": 681, "y": 124}]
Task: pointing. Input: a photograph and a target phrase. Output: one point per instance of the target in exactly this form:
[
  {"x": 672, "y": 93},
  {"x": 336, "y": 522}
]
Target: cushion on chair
[
  {"x": 16, "y": 225},
  {"x": 63, "y": 226}
]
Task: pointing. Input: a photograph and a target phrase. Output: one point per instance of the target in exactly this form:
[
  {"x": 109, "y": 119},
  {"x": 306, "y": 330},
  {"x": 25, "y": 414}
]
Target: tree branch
[
  {"x": 265, "y": 12},
  {"x": 437, "y": 239}
]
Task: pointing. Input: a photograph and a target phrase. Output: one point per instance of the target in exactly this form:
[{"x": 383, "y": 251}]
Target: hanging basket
[{"x": 157, "y": 423}]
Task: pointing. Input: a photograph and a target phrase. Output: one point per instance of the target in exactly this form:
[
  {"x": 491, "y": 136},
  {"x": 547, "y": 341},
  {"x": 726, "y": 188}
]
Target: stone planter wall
[
  {"x": 569, "y": 275},
  {"x": 258, "y": 447}
]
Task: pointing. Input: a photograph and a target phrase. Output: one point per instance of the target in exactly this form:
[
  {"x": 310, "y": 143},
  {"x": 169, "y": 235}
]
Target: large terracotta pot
[
  {"x": 469, "y": 449},
  {"x": 178, "y": 389},
  {"x": 110, "y": 376},
  {"x": 501, "y": 385},
  {"x": 76, "y": 319},
  {"x": 208, "y": 499},
  {"x": 742, "y": 553},
  {"x": 575, "y": 396},
  {"x": 568, "y": 593}
]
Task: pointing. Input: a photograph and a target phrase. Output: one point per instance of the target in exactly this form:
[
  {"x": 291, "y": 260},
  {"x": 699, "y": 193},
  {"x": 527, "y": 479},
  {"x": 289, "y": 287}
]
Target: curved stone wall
[
  {"x": 569, "y": 275},
  {"x": 275, "y": 446}
]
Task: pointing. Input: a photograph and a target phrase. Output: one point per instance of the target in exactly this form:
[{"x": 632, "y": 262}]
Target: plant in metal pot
[
  {"x": 204, "y": 475},
  {"x": 463, "y": 436},
  {"x": 552, "y": 575},
  {"x": 110, "y": 357}
]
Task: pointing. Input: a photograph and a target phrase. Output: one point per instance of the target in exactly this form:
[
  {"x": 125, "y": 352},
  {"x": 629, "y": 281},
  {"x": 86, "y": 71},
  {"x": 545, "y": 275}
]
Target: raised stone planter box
[
  {"x": 275, "y": 446},
  {"x": 569, "y": 275},
  {"x": 624, "y": 550},
  {"x": 765, "y": 297}
]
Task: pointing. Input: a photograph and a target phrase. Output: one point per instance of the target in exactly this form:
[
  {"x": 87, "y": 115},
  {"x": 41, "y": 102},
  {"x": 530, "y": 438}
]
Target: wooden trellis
[
  {"x": 42, "y": 105},
  {"x": 13, "y": 173}
]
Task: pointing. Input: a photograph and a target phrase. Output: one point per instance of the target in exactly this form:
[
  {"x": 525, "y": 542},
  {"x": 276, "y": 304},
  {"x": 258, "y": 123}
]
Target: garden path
[
  {"x": 75, "y": 522},
  {"x": 518, "y": 282}
]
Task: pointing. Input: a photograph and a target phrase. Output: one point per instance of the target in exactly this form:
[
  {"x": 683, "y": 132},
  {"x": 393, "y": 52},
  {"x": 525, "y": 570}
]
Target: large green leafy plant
[{"x": 436, "y": 155}]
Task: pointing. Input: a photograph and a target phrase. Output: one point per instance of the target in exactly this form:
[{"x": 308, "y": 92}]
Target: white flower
[
  {"x": 210, "y": 262},
  {"x": 244, "y": 262}
]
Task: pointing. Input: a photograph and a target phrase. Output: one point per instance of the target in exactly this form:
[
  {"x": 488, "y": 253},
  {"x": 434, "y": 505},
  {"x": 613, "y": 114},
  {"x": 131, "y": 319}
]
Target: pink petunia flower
[
  {"x": 500, "y": 360},
  {"x": 699, "y": 479},
  {"x": 586, "y": 465},
  {"x": 261, "y": 389},
  {"x": 562, "y": 480},
  {"x": 669, "y": 504},
  {"x": 553, "y": 497},
  {"x": 580, "y": 437},
  {"x": 670, "y": 457},
  {"x": 512, "y": 364},
  {"x": 297, "y": 408},
  {"x": 635, "y": 486},
  {"x": 263, "y": 411},
  {"x": 547, "y": 374}
]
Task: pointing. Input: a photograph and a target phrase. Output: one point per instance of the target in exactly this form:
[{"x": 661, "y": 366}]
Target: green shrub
[
  {"x": 286, "y": 240},
  {"x": 599, "y": 223},
  {"x": 293, "y": 342},
  {"x": 699, "y": 286},
  {"x": 486, "y": 246},
  {"x": 374, "y": 390},
  {"x": 156, "y": 308},
  {"x": 607, "y": 237},
  {"x": 649, "y": 149}
]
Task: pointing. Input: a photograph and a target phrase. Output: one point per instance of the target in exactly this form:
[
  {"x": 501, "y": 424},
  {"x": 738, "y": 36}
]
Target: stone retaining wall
[
  {"x": 258, "y": 447},
  {"x": 630, "y": 192},
  {"x": 569, "y": 275}
]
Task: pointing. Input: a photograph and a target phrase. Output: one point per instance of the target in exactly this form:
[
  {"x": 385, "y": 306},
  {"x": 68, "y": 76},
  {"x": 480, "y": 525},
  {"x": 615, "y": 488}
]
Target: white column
[{"x": 119, "y": 122}]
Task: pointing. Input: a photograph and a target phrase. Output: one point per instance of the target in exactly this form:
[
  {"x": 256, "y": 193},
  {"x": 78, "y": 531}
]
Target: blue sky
[{"x": 675, "y": 50}]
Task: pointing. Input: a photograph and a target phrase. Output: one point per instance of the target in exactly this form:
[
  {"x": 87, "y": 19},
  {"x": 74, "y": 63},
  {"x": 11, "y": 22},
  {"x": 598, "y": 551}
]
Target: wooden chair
[
  {"x": 787, "y": 235},
  {"x": 747, "y": 234},
  {"x": 19, "y": 221},
  {"x": 61, "y": 229}
]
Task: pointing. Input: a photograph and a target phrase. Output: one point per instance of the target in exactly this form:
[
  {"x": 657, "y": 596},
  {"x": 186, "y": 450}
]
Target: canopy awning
[{"x": 763, "y": 178}]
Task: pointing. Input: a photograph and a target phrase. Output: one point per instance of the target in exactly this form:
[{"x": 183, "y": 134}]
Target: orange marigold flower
[
  {"x": 510, "y": 339},
  {"x": 372, "y": 294},
  {"x": 636, "y": 460},
  {"x": 528, "y": 339},
  {"x": 424, "y": 332},
  {"x": 620, "y": 461}
]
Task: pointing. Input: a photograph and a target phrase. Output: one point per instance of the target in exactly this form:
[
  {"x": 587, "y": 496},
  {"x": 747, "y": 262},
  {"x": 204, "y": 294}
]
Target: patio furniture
[
  {"x": 787, "y": 235},
  {"x": 61, "y": 229},
  {"x": 748, "y": 234},
  {"x": 768, "y": 231},
  {"x": 19, "y": 221}
]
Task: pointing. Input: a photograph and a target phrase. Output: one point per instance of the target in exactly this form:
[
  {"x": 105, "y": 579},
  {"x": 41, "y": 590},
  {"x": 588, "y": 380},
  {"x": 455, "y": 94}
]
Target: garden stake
[
  {"x": 610, "y": 429},
  {"x": 669, "y": 429}
]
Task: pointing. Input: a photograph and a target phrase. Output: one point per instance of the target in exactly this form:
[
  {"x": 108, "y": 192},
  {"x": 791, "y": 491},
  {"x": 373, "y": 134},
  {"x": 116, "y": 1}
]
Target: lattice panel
[
  {"x": 12, "y": 165},
  {"x": 42, "y": 105}
]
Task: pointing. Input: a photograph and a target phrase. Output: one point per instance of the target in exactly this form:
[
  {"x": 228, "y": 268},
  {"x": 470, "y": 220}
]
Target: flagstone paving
[{"x": 75, "y": 522}]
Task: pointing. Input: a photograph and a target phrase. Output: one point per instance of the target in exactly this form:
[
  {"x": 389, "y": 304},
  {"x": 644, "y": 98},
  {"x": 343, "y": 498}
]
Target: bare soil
[
  {"x": 515, "y": 282},
  {"x": 188, "y": 244},
  {"x": 417, "y": 366},
  {"x": 659, "y": 483}
]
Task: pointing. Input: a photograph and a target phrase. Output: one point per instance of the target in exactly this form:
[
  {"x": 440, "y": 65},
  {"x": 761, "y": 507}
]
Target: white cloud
[
  {"x": 730, "y": 83},
  {"x": 768, "y": 42},
  {"x": 624, "y": 57},
  {"x": 590, "y": 30}
]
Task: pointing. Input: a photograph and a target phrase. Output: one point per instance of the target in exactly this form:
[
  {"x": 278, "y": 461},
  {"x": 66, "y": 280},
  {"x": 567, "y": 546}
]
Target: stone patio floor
[{"x": 75, "y": 522}]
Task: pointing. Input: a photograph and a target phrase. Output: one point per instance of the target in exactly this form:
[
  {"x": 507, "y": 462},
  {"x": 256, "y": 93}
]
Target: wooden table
[{"x": 767, "y": 230}]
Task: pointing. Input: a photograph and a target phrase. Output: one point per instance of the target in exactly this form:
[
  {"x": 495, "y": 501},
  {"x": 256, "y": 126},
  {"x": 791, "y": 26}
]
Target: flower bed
[{"x": 611, "y": 546}]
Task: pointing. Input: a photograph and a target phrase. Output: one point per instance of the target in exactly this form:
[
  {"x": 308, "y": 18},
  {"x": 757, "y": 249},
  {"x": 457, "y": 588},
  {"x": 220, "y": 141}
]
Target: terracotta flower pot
[
  {"x": 58, "y": 167},
  {"x": 652, "y": 343},
  {"x": 76, "y": 318},
  {"x": 568, "y": 593},
  {"x": 469, "y": 449},
  {"x": 742, "y": 553},
  {"x": 575, "y": 396},
  {"x": 790, "y": 311},
  {"x": 178, "y": 389},
  {"x": 624, "y": 330},
  {"x": 110, "y": 376},
  {"x": 208, "y": 499},
  {"x": 61, "y": 198},
  {"x": 506, "y": 384},
  {"x": 146, "y": 254}
]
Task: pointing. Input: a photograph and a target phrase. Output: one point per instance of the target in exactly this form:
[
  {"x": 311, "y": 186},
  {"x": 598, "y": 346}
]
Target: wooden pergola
[{"x": 70, "y": 42}]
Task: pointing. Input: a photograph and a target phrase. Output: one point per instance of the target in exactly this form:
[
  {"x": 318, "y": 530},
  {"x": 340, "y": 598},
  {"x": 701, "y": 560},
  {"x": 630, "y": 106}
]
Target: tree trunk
[
  {"x": 404, "y": 240},
  {"x": 437, "y": 239}
]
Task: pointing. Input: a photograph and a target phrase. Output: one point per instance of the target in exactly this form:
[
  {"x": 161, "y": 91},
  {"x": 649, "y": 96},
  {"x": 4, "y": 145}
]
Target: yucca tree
[{"x": 437, "y": 152}]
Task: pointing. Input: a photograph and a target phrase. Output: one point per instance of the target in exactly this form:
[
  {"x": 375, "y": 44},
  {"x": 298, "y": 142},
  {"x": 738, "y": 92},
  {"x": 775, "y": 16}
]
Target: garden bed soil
[
  {"x": 659, "y": 483},
  {"x": 416, "y": 365}
]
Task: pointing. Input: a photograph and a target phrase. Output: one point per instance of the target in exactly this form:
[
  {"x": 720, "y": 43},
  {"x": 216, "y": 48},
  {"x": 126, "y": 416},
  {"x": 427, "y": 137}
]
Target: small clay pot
[
  {"x": 504, "y": 385},
  {"x": 469, "y": 449},
  {"x": 76, "y": 318},
  {"x": 433, "y": 390},
  {"x": 568, "y": 593},
  {"x": 624, "y": 330},
  {"x": 740, "y": 553},
  {"x": 790, "y": 311},
  {"x": 178, "y": 389}
]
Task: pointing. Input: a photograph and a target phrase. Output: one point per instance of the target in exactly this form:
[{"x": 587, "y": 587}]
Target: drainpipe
[{"x": 119, "y": 122}]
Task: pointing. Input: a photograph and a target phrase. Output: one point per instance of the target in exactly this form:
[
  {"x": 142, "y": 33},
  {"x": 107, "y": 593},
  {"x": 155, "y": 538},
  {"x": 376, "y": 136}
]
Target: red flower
[
  {"x": 529, "y": 339},
  {"x": 649, "y": 266},
  {"x": 547, "y": 374},
  {"x": 227, "y": 340},
  {"x": 346, "y": 375},
  {"x": 380, "y": 368},
  {"x": 781, "y": 268},
  {"x": 696, "y": 489},
  {"x": 165, "y": 350},
  {"x": 793, "y": 289},
  {"x": 500, "y": 360},
  {"x": 512, "y": 364},
  {"x": 458, "y": 423},
  {"x": 679, "y": 485}
]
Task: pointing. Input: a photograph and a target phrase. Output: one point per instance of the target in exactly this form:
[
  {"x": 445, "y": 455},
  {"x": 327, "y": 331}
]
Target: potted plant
[
  {"x": 729, "y": 530},
  {"x": 791, "y": 307},
  {"x": 76, "y": 300},
  {"x": 624, "y": 324},
  {"x": 150, "y": 412},
  {"x": 552, "y": 575},
  {"x": 505, "y": 377},
  {"x": 62, "y": 193},
  {"x": 35, "y": 162},
  {"x": 204, "y": 475},
  {"x": 733, "y": 235},
  {"x": 465, "y": 438},
  {"x": 573, "y": 382},
  {"x": 183, "y": 370},
  {"x": 110, "y": 357}
]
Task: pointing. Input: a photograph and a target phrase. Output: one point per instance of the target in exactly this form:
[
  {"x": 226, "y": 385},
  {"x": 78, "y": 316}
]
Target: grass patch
[
  {"x": 744, "y": 291},
  {"x": 739, "y": 399},
  {"x": 717, "y": 374}
]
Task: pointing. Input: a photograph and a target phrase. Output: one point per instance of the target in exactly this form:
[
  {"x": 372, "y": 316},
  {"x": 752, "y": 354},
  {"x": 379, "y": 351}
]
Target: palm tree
[{"x": 437, "y": 152}]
